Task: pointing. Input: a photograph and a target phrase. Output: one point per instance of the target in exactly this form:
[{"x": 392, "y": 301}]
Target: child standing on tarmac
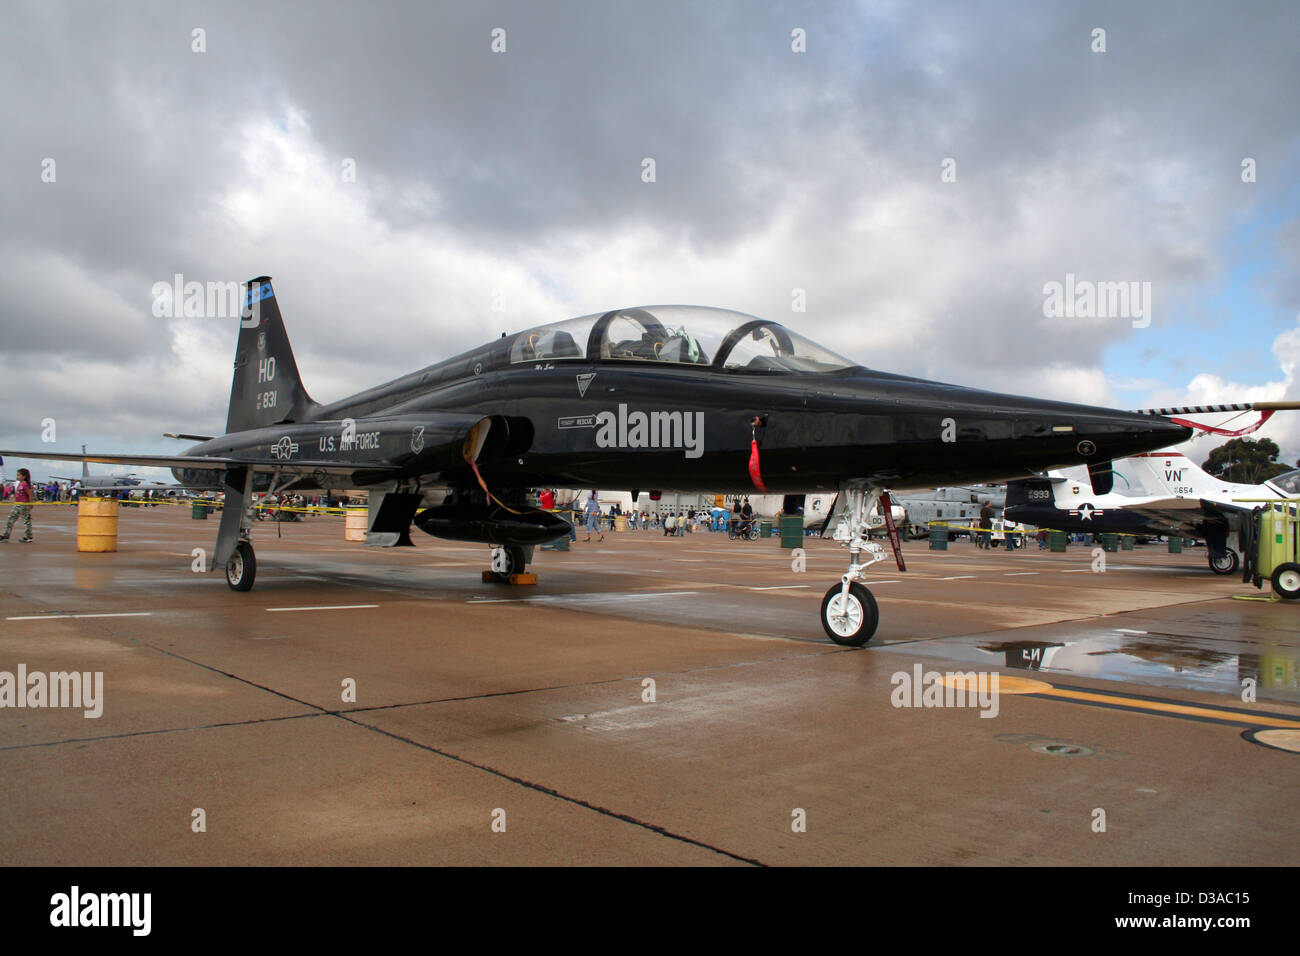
[{"x": 22, "y": 507}]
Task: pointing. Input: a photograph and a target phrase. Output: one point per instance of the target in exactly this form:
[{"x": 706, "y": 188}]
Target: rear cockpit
[{"x": 677, "y": 335}]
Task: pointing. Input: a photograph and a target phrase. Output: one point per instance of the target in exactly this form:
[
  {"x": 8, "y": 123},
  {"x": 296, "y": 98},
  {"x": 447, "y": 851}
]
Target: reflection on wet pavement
[{"x": 1220, "y": 665}]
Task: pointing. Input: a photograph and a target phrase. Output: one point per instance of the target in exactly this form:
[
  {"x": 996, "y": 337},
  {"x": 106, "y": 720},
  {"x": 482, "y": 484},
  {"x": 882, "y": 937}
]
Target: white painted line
[
  {"x": 886, "y": 581},
  {"x": 1077, "y": 571},
  {"x": 957, "y": 577},
  {"x": 324, "y": 607},
  {"x": 780, "y": 587},
  {"x": 59, "y": 617},
  {"x": 121, "y": 614},
  {"x": 1012, "y": 574},
  {"x": 1126, "y": 630}
]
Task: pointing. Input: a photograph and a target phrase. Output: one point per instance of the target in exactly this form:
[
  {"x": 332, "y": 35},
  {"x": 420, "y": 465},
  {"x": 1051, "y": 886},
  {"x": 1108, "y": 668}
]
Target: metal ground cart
[{"x": 1271, "y": 548}]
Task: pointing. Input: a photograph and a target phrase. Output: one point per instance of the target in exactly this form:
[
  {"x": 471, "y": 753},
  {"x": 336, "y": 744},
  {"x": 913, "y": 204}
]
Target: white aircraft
[{"x": 1185, "y": 501}]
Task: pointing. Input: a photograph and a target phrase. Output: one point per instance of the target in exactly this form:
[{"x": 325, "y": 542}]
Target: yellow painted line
[
  {"x": 1007, "y": 684},
  {"x": 1011, "y": 684},
  {"x": 1259, "y": 720}
]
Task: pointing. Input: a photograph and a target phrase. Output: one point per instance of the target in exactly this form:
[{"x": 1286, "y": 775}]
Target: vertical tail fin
[
  {"x": 266, "y": 389},
  {"x": 1173, "y": 474},
  {"x": 1031, "y": 491}
]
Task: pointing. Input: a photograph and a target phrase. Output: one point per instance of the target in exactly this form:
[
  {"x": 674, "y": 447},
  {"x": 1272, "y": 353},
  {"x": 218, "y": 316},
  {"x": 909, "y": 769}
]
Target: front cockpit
[
  {"x": 719, "y": 339},
  {"x": 1288, "y": 483}
]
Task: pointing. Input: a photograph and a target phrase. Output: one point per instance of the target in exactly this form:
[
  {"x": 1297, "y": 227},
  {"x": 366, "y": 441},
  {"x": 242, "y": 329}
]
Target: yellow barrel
[
  {"x": 356, "y": 524},
  {"x": 97, "y": 524}
]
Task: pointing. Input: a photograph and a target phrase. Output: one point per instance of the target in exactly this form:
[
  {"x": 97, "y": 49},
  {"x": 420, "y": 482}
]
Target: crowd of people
[
  {"x": 48, "y": 491},
  {"x": 588, "y": 514}
]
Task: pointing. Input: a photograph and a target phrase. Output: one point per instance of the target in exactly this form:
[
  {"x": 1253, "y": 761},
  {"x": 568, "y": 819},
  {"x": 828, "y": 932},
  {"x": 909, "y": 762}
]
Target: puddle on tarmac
[{"x": 1163, "y": 660}]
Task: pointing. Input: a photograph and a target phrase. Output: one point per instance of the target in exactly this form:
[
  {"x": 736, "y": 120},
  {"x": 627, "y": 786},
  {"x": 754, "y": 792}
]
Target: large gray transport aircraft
[{"x": 679, "y": 398}]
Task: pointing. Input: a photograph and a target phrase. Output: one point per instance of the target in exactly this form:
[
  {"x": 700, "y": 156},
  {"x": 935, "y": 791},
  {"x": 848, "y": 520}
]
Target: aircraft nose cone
[
  {"x": 1128, "y": 433},
  {"x": 1169, "y": 433}
]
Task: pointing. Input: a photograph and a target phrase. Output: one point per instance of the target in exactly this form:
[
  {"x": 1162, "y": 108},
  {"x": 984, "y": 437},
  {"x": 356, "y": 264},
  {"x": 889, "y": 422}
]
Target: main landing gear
[
  {"x": 241, "y": 569},
  {"x": 849, "y": 612},
  {"x": 508, "y": 564},
  {"x": 234, "y": 550},
  {"x": 1225, "y": 563}
]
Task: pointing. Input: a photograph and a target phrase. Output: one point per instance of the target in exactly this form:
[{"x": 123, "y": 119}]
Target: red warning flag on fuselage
[{"x": 755, "y": 475}]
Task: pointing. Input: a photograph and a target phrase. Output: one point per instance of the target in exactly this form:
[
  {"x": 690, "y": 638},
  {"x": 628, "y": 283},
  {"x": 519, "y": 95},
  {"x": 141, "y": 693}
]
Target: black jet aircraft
[{"x": 679, "y": 398}]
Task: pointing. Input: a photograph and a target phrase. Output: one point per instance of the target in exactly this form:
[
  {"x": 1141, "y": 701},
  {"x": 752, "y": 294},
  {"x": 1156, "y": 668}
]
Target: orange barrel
[
  {"x": 97, "y": 524},
  {"x": 356, "y": 524}
]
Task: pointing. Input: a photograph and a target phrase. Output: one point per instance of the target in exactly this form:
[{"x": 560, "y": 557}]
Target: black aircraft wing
[
  {"x": 1188, "y": 516},
  {"x": 209, "y": 462}
]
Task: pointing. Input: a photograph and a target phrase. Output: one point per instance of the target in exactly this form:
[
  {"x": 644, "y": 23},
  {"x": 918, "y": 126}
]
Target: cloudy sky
[{"x": 419, "y": 177}]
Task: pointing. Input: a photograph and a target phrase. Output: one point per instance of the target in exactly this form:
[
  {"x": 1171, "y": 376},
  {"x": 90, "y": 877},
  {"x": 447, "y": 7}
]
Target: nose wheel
[{"x": 850, "y": 618}]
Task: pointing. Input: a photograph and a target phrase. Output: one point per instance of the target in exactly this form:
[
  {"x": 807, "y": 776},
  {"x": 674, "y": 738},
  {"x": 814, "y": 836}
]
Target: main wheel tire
[
  {"x": 1227, "y": 564},
  {"x": 1286, "y": 580},
  {"x": 241, "y": 569},
  {"x": 851, "y": 625}
]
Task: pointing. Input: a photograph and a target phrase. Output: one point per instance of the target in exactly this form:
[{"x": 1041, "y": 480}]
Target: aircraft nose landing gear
[
  {"x": 849, "y": 619},
  {"x": 849, "y": 611}
]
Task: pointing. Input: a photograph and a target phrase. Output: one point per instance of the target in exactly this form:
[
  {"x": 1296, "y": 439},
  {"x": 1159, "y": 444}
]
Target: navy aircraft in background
[
  {"x": 678, "y": 398},
  {"x": 1182, "y": 501}
]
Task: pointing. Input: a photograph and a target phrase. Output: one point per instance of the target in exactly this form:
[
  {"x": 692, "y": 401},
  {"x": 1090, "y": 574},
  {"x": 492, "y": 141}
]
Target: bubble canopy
[
  {"x": 1289, "y": 482},
  {"x": 676, "y": 335}
]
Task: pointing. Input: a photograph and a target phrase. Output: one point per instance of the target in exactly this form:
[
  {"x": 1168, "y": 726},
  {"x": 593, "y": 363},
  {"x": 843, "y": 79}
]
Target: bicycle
[{"x": 743, "y": 530}]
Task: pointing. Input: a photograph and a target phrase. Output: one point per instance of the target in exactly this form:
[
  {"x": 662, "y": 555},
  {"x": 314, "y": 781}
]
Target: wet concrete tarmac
[{"x": 480, "y": 707}]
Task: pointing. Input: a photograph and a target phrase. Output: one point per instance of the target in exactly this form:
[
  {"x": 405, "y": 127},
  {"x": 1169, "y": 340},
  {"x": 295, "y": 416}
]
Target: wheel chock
[{"x": 490, "y": 577}]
